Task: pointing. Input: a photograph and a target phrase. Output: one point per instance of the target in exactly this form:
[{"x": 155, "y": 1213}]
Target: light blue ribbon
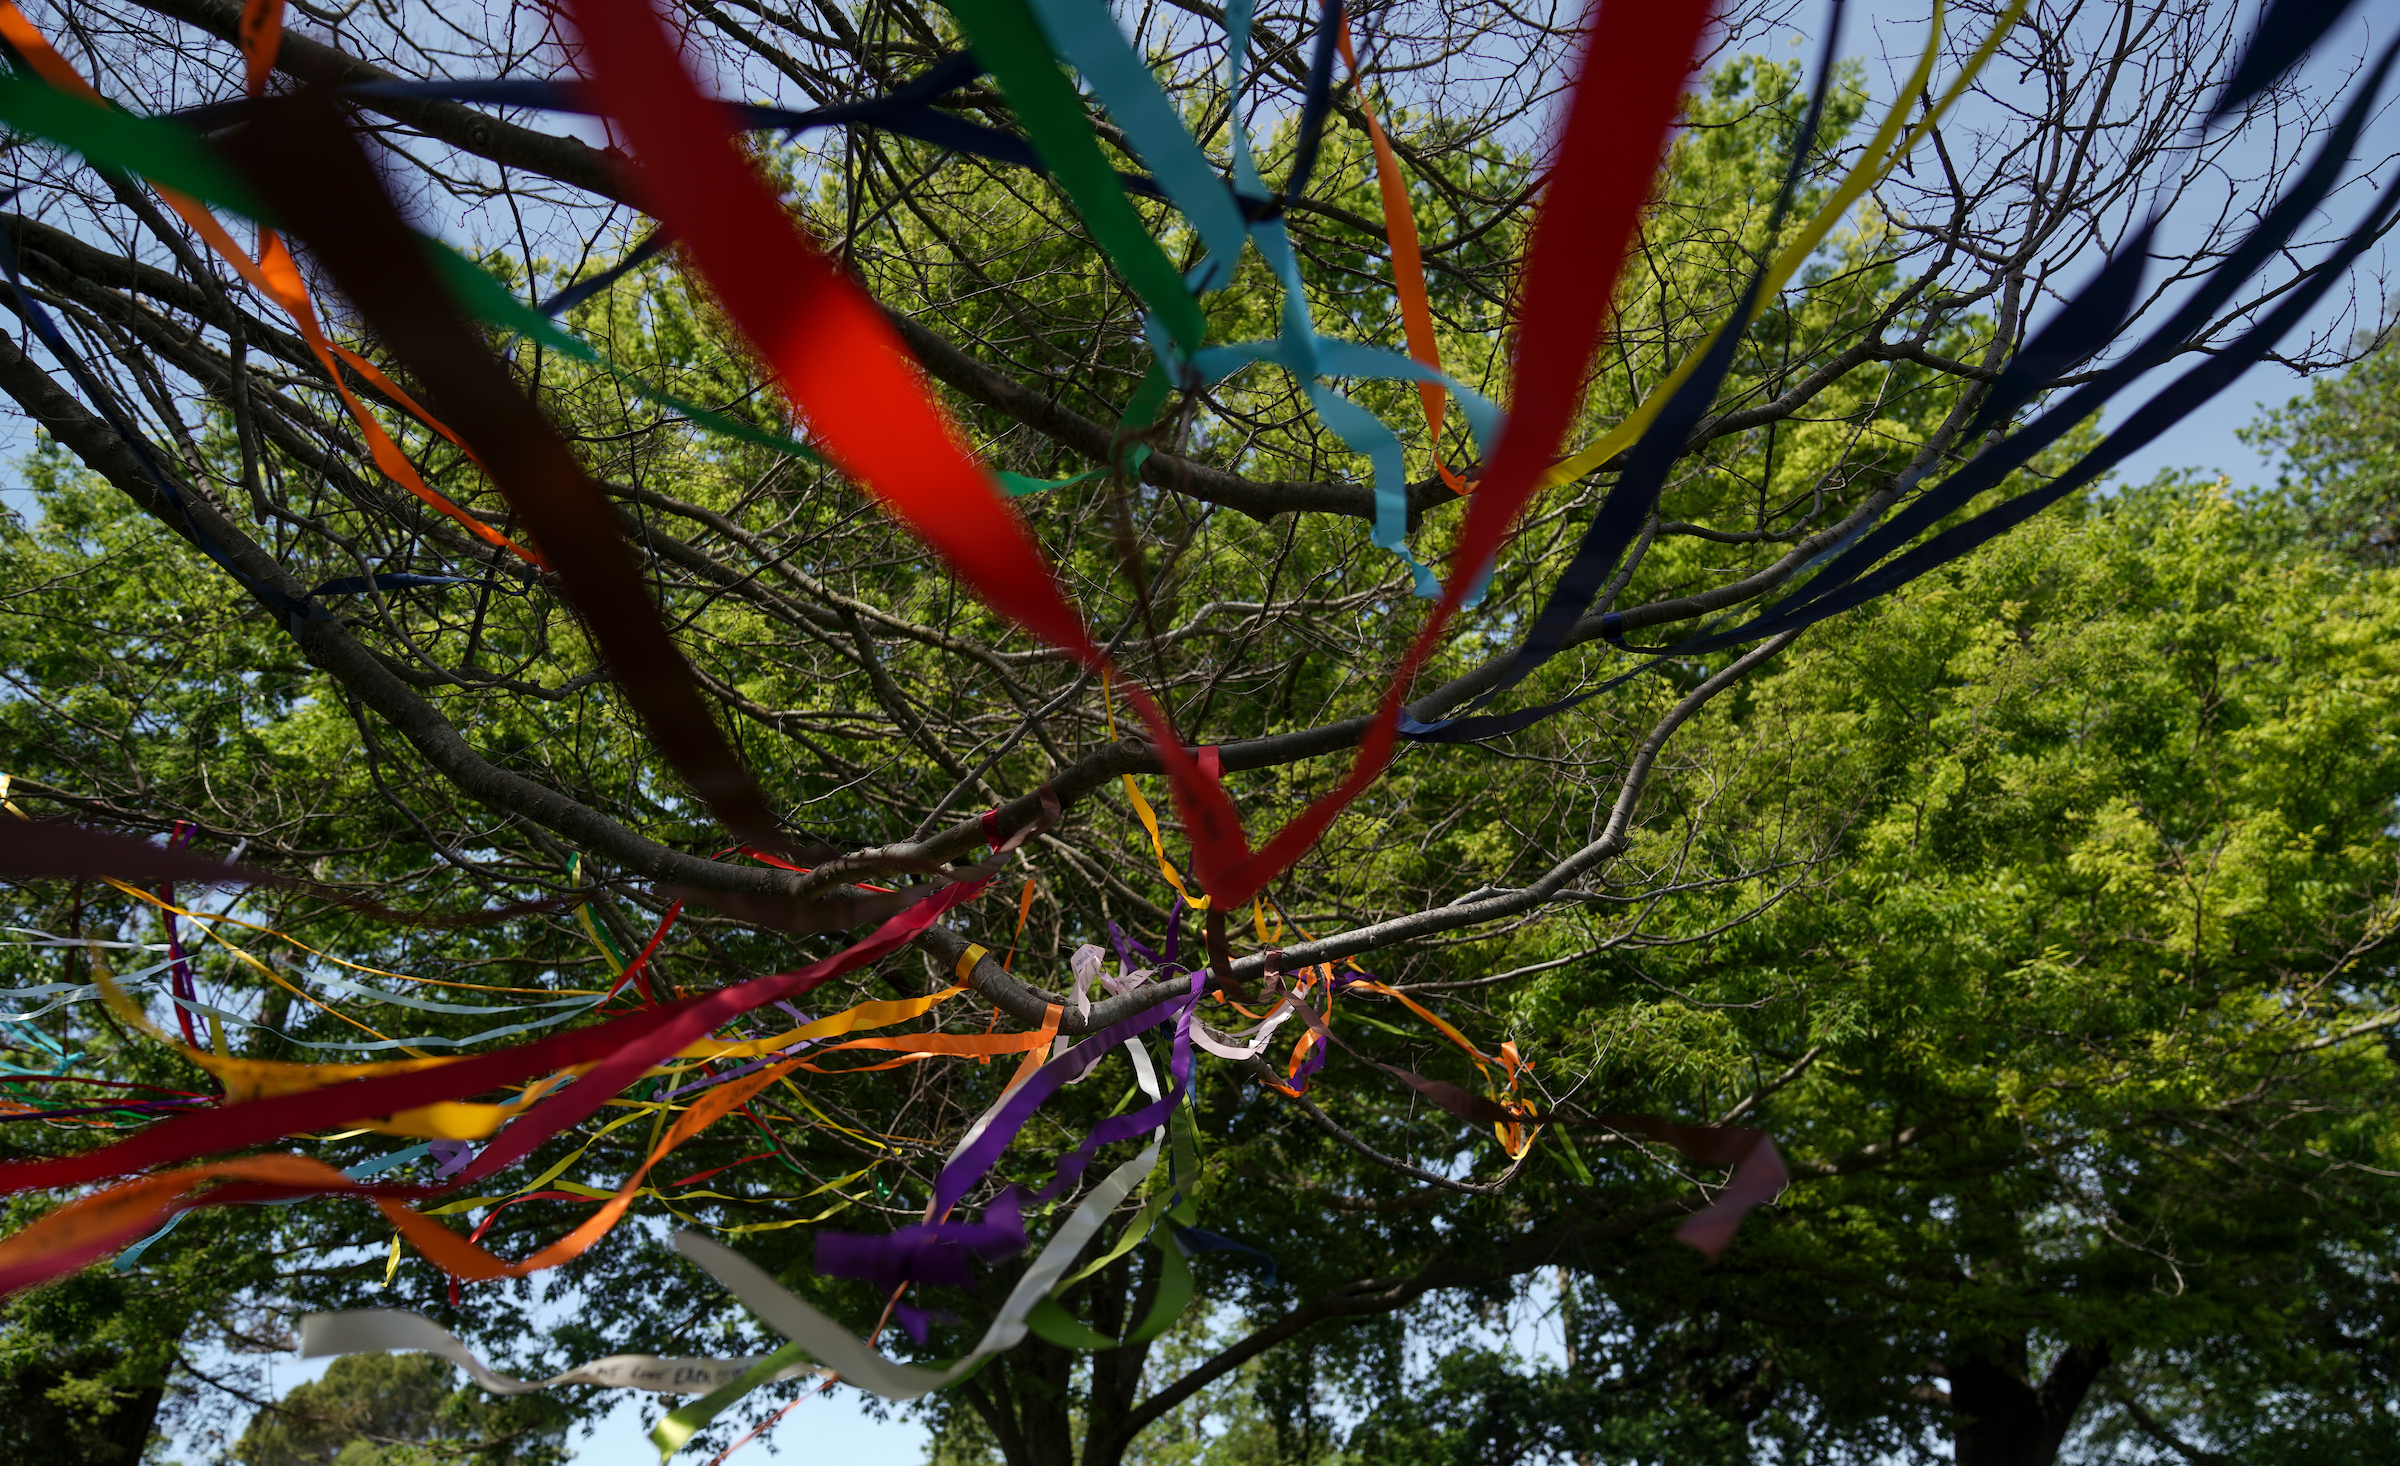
[
  {"x": 1086, "y": 34},
  {"x": 78, "y": 992},
  {"x": 344, "y": 985},
  {"x": 131, "y": 1257},
  {"x": 434, "y": 1041}
]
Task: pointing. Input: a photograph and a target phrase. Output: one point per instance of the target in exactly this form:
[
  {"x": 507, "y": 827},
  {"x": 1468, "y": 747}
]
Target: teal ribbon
[
  {"x": 431, "y": 1041},
  {"x": 1086, "y": 34},
  {"x": 131, "y": 1257}
]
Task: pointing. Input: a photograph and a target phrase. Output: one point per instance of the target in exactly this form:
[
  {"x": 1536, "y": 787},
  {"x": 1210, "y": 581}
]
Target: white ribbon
[
  {"x": 381, "y": 1330},
  {"x": 75, "y": 992},
  {"x": 1207, "y": 1038}
]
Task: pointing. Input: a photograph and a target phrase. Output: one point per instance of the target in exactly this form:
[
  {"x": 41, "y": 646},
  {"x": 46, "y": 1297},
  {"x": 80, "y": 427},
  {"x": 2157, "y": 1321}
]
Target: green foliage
[
  {"x": 71, "y": 1407},
  {"x": 399, "y": 1410},
  {"x": 2087, "y": 1036},
  {"x": 2057, "y": 889},
  {"x": 1476, "y": 1405},
  {"x": 2340, "y": 482}
]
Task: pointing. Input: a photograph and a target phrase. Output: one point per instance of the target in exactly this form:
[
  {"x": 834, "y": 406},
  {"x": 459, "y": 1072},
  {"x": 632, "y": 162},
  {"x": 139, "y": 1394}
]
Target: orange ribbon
[
  {"x": 274, "y": 273},
  {"x": 1408, "y": 271},
  {"x": 1511, "y": 1136},
  {"x": 87, "y": 1230}
]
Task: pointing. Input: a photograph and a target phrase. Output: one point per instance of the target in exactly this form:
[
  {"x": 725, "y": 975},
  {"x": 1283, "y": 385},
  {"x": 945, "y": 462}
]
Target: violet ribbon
[
  {"x": 452, "y": 1157},
  {"x": 919, "y": 1321},
  {"x": 1315, "y": 1061},
  {"x": 755, "y": 1064},
  {"x": 933, "y": 1253},
  {"x": 977, "y": 1158},
  {"x": 1126, "y": 945}
]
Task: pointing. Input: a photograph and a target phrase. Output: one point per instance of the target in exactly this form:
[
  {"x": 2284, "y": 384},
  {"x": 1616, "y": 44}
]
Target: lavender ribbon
[
  {"x": 452, "y": 1157},
  {"x": 755, "y": 1064}
]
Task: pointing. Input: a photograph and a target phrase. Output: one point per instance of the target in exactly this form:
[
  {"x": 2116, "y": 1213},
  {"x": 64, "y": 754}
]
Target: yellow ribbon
[
  {"x": 1142, "y": 810},
  {"x": 1878, "y": 160}
]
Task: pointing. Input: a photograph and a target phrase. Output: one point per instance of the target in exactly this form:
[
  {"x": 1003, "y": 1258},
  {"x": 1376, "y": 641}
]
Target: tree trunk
[
  {"x": 1027, "y": 1396},
  {"x": 1024, "y": 1399},
  {"x": 2001, "y": 1418},
  {"x": 51, "y": 1424},
  {"x": 1116, "y": 1378}
]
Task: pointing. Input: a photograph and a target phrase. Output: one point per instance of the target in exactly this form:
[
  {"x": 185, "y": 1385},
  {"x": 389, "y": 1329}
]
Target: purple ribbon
[
  {"x": 1317, "y": 1055},
  {"x": 933, "y": 1253},
  {"x": 919, "y": 1321},
  {"x": 1308, "y": 1068},
  {"x": 959, "y": 1177},
  {"x": 1150, "y": 1116},
  {"x": 754, "y": 1065},
  {"x": 452, "y": 1157},
  {"x": 1126, "y": 945}
]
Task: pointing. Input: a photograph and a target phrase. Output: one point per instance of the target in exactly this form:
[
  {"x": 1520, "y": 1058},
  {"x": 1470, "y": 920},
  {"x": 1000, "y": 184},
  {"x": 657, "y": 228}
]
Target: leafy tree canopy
[
  {"x": 393, "y": 1410},
  {"x": 2040, "y": 911}
]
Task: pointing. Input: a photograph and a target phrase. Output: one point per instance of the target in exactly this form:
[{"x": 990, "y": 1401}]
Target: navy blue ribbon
[
  {"x": 907, "y": 109},
  {"x": 2082, "y": 327},
  {"x": 583, "y": 290},
  {"x": 1316, "y": 103},
  {"x": 2284, "y": 34},
  {"x": 1634, "y": 497},
  {"x": 1196, "y": 1240}
]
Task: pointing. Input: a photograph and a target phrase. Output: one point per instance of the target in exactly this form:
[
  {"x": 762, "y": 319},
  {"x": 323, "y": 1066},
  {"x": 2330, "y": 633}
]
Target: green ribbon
[
  {"x": 489, "y": 301},
  {"x": 1050, "y": 1318},
  {"x": 157, "y": 150},
  {"x": 1009, "y": 43},
  {"x": 167, "y": 155},
  {"x": 678, "y": 1428}
]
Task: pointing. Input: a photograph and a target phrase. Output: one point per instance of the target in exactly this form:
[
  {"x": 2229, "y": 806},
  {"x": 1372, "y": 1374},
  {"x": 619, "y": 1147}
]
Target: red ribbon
[
  {"x": 665, "y": 924},
  {"x": 623, "y": 1048},
  {"x": 866, "y": 403}
]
